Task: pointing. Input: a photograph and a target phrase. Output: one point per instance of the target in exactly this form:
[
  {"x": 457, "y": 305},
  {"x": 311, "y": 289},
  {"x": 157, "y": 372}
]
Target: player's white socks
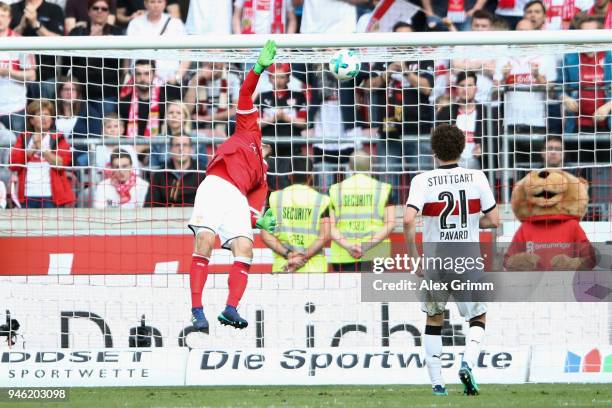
[
  {"x": 473, "y": 343},
  {"x": 433, "y": 350}
]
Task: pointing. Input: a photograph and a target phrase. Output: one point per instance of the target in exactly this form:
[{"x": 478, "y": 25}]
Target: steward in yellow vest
[
  {"x": 302, "y": 223},
  {"x": 362, "y": 217}
]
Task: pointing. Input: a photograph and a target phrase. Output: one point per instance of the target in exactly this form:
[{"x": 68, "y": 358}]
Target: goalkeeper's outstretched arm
[
  {"x": 246, "y": 114},
  {"x": 266, "y": 58}
]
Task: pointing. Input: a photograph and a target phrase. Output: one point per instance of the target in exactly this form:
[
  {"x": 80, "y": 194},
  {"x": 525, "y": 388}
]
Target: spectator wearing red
[
  {"x": 264, "y": 17},
  {"x": 588, "y": 103},
  {"x": 15, "y": 69},
  {"x": 603, "y": 9},
  {"x": 559, "y": 13},
  {"x": 40, "y": 157},
  {"x": 586, "y": 79}
]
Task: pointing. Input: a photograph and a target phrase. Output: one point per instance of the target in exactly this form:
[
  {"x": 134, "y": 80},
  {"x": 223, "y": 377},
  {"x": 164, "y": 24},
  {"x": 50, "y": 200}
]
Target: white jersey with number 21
[{"x": 451, "y": 199}]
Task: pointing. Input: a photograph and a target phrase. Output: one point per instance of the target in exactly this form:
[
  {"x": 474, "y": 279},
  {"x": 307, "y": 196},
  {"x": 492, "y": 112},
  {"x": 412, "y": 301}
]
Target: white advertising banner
[
  {"x": 93, "y": 367},
  {"x": 284, "y": 311},
  {"x": 304, "y": 366},
  {"x": 580, "y": 364}
]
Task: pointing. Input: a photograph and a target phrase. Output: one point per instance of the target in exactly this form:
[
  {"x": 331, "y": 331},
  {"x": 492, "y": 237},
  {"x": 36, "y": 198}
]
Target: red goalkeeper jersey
[{"x": 239, "y": 159}]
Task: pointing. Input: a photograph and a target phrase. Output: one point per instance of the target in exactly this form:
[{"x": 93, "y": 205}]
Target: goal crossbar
[{"x": 359, "y": 40}]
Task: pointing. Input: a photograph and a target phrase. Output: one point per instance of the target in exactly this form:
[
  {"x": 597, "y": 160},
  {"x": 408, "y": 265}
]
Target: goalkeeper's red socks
[
  {"x": 237, "y": 280},
  {"x": 198, "y": 272}
]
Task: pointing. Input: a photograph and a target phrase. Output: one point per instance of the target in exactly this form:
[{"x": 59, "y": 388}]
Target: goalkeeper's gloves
[
  {"x": 266, "y": 57},
  {"x": 267, "y": 221}
]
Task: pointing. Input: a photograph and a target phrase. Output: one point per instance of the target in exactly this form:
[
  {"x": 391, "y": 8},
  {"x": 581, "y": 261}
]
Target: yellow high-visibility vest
[
  {"x": 359, "y": 208},
  {"x": 298, "y": 209}
]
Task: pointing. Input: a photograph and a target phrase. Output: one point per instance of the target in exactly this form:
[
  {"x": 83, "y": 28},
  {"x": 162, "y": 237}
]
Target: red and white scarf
[
  {"x": 249, "y": 14},
  {"x": 152, "y": 128},
  {"x": 123, "y": 189},
  {"x": 456, "y": 11},
  {"x": 608, "y": 20},
  {"x": 568, "y": 9}
]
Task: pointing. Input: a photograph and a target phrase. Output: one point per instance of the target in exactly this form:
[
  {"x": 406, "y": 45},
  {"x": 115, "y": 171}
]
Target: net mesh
[{"x": 509, "y": 100}]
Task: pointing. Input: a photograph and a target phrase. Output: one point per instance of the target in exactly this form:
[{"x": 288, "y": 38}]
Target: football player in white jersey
[{"x": 455, "y": 204}]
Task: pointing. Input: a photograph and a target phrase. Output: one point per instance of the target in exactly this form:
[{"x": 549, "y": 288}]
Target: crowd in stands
[{"x": 75, "y": 125}]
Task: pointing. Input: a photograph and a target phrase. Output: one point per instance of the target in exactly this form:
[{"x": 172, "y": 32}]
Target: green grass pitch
[{"x": 527, "y": 395}]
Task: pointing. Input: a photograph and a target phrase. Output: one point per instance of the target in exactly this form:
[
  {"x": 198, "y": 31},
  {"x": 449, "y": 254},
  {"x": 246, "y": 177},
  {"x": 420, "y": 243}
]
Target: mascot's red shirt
[{"x": 551, "y": 235}]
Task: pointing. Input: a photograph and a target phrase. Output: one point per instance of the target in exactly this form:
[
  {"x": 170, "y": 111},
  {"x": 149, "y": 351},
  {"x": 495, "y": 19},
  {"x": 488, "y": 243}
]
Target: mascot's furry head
[{"x": 550, "y": 192}]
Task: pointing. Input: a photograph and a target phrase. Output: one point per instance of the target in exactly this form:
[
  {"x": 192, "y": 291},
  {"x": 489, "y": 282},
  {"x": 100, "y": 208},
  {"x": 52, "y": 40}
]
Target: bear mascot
[{"x": 549, "y": 204}]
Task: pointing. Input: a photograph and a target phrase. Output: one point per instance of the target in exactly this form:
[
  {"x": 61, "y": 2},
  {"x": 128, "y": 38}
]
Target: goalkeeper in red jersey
[{"x": 228, "y": 203}]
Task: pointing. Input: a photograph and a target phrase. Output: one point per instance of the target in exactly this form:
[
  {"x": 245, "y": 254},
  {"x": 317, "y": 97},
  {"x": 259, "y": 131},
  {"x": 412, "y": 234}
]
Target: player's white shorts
[
  {"x": 220, "y": 207},
  {"x": 468, "y": 310}
]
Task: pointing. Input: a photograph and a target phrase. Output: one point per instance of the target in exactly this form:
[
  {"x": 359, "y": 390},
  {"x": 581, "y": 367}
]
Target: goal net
[{"x": 106, "y": 266}]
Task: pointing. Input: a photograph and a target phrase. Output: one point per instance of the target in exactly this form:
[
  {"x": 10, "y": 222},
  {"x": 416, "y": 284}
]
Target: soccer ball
[{"x": 344, "y": 64}]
